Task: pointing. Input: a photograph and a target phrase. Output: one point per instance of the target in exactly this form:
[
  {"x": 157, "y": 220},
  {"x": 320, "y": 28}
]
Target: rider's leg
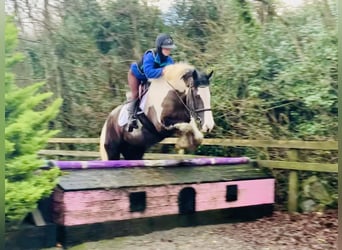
[{"x": 133, "y": 84}]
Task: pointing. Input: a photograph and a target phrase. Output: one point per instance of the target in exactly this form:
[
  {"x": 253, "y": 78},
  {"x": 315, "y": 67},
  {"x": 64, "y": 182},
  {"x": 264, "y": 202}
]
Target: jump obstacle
[{"x": 103, "y": 199}]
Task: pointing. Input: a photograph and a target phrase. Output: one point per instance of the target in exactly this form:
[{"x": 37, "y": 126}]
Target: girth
[{"x": 150, "y": 126}]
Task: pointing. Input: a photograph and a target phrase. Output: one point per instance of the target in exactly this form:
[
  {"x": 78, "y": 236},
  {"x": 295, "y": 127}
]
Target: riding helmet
[{"x": 165, "y": 41}]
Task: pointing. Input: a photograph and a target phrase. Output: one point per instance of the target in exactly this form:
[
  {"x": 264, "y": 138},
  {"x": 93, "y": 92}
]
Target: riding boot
[{"x": 132, "y": 120}]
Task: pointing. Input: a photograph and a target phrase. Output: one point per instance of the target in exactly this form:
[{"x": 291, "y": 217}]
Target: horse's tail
[{"x": 103, "y": 152}]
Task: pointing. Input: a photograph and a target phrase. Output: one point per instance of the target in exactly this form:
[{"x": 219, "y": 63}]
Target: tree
[
  {"x": 275, "y": 68},
  {"x": 91, "y": 51},
  {"x": 27, "y": 116}
]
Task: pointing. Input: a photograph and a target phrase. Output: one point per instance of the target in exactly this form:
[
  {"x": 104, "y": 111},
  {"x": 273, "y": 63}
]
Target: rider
[{"x": 151, "y": 65}]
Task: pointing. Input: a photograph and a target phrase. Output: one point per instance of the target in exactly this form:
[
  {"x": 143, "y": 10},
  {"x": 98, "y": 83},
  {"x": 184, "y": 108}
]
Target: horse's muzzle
[
  {"x": 208, "y": 126},
  {"x": 206, "y": 129}
]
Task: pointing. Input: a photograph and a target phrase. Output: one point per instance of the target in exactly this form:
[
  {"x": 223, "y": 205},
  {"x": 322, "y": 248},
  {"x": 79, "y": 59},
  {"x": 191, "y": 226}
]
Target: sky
[
  {"x": 293, "y": 3},
  {"x": 164, "y": 5}
]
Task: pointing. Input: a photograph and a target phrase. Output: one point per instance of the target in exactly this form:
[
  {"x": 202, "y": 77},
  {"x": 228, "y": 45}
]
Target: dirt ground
[{"x": 281, "y": 231}]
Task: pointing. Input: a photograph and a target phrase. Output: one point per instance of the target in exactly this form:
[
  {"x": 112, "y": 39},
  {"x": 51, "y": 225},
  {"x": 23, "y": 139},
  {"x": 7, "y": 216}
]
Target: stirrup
[{"x": 132, "y": 124}]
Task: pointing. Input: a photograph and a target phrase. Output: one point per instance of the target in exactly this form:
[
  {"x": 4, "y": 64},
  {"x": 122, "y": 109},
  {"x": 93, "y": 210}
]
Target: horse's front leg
[
  {"x": 112, "y": 151},
  {"x": 189, "y": 135},
  {"x": 131, "y": 152}
]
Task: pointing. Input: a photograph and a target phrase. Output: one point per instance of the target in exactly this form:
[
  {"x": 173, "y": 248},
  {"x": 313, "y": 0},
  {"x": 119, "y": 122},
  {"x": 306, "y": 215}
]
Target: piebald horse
[{"x": 172, "y": 106}]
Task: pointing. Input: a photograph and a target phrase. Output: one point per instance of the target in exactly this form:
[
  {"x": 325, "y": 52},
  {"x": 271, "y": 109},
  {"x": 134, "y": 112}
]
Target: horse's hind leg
[{"x": 108, "y": 146}]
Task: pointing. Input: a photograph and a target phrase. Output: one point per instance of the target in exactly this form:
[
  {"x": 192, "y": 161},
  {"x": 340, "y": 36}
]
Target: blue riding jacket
[{"x": 150, "y": 66}]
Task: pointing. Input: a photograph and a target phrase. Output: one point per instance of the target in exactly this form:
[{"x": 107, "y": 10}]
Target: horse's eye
[{"x": 202, "y": 84}]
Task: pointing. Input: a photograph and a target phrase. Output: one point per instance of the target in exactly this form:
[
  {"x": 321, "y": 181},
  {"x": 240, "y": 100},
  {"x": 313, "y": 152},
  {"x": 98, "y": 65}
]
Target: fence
[{"x": 292, "y": 163}]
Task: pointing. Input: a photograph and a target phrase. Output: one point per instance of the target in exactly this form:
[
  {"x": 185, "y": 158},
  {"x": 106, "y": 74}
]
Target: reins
[{"x": 192, "y": 110}]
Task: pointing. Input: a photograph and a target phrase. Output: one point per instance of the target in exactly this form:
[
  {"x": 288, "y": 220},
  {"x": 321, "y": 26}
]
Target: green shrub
[{"x": 27, "y": 116}]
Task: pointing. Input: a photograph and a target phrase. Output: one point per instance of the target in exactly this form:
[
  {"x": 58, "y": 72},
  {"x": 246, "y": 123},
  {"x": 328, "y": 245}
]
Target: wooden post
[
  {"x": 180, "y": 151},
  {"x": 57, "y": 147},
  {"x": 293, "y": 184},
  {"x": 293, "y": 192},
  {"x": 267, "y": 156}
]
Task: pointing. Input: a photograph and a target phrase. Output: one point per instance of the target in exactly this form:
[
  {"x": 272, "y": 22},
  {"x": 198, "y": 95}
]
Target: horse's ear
[
  {"x": 210, "y": 74},
  {"x": 194, "y": 75}
]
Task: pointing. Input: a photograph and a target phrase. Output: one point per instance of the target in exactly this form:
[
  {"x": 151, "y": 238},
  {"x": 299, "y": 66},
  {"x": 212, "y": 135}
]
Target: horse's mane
[{"x": 174, "y": 72}]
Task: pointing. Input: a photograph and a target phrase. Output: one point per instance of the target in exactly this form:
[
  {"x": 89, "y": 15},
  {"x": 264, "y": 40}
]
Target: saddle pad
[{"x": 123, "y": 116}]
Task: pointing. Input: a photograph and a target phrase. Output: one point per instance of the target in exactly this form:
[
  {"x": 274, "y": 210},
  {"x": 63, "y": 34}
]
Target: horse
[{"x": 172, "y": 106}]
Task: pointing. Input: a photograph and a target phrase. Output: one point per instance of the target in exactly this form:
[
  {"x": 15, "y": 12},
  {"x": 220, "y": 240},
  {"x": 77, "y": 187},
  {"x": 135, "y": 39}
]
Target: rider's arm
[
  {"x": 149, "y": 70},
  {"x": 170, "y": 60}
]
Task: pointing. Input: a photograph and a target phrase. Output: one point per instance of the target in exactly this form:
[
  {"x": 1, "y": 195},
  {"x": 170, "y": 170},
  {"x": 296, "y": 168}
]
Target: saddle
[{"x": 138, "y": 113}]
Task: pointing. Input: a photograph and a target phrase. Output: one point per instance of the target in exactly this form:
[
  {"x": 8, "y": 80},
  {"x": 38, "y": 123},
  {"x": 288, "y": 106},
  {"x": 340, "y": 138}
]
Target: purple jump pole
[
  {"x": 112, "y": 164},
  {"x": 147, "y": 163},
  {"x": 215, "y": 161}
]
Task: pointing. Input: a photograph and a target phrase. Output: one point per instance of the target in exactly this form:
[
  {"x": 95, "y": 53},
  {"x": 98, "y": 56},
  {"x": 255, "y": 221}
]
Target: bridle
[{"x": 190, "y": 103}]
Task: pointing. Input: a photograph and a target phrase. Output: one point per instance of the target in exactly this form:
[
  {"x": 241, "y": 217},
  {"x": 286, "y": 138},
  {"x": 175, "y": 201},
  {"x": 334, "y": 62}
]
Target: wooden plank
[
  {"x": 314, "y": 145},
  {"x": 305, "y": 166},
  {"x": 157, "y": 156},
  {"x": 161, "y": 200},
  {"x": 94, "y": 154},
  {"x": 74, "y": 140},
  {"x": 38, "y": 218},
  {"x": 324, "y": 145},
  {"x": 155, "y": 176},
  {"x": 69, "y": 153}
]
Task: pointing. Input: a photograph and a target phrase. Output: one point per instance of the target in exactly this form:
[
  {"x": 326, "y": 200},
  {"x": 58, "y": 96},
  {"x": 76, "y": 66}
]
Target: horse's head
[
  {"x": 197, "y": 78},
  {"x": 198, "y": 97},
  {"x": 177, "y": 100}
]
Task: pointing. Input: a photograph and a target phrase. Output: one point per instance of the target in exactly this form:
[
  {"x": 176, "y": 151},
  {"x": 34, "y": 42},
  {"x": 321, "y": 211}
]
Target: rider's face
[{"x": 166, "y": 52}]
